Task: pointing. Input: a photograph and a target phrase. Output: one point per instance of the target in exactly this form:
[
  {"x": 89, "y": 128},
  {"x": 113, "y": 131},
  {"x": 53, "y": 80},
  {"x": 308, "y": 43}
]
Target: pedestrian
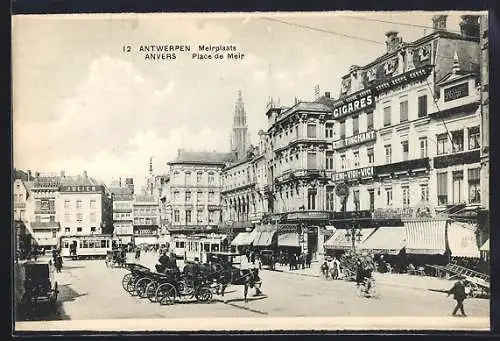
[
  {"x": 359, "y": 274},
  {"x": 303, "y": 260},
  {"x": 308, "y": 260},
  {"x": 290, "y": 262},
  {"x": 58, "y": 263},
  {"x": 336, "y": 265},
  {"x": 459, "y": 295}
]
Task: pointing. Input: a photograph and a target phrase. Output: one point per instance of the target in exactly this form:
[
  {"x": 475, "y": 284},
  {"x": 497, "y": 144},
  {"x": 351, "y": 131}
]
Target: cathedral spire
[{"x": 239, "y": 136}]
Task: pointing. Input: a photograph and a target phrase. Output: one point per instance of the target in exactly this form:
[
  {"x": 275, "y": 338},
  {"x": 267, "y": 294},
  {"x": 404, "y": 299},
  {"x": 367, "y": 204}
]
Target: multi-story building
[
  {"x": 123, "y": 218},
  {"x": 21, "y": 196},
  {"x": 195, "y": 188},
  {"x": 146, "y": 219},
  {"x": 394, "y": 114}
]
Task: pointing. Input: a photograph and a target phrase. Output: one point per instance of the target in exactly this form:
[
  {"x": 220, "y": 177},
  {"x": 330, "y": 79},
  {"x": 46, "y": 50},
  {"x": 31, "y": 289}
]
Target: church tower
[{"x": 239, "y": 137}]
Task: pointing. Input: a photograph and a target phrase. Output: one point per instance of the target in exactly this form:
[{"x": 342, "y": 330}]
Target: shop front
[
  {"x": 310, "y": 226},
  {"x": 145, "y": 235}
]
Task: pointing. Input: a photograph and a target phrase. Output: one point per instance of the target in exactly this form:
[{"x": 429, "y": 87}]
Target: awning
[
  {"x": 242, "y": 239},
  {"x": 387, "y": 240},
  {"x": 339, "y": 241},
  {"x": 264, "y": 235},
  {"x": 426, "y": 237},
  {"x": 288, "y": 239},
  {"x": 462, "y": 240},
  {"x": 486, "y": 246},
  {"x": 47, "y": 241}
]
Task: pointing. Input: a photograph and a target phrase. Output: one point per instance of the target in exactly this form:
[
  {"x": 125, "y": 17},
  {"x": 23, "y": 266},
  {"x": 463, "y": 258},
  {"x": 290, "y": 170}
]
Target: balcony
[
  {"x": 403, "y": 167},
  {"x": 45, "y": 225},
  {"x": 462, "y": 158}
]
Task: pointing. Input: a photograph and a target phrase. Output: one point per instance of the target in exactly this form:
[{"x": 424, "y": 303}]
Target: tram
[
  {"x": 195, "y": 247},
  {"x": 95, "y": 246}
]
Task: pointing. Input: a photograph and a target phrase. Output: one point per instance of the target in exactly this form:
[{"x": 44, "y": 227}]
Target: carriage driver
[{"x": 248, "y": 268}]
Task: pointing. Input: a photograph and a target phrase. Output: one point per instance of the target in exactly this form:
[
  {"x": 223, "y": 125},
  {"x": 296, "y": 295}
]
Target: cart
[
  {"x": 39, "y": 283},
  {"x": 478, "y": 287}
]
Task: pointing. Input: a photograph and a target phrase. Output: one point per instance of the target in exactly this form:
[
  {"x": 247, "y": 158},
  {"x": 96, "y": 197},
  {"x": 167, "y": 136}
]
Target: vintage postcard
[{"x": 251, "y": 171}]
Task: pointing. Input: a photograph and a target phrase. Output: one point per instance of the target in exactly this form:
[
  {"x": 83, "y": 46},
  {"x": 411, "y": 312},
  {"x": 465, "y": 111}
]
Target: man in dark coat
[{"x": 459, "y": 295}]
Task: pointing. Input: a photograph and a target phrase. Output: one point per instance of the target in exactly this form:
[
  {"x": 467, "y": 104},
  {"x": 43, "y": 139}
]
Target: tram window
[
  {"x": 66, "y": 244},
  {"x": 85, "y": 244},
  {"x": 81, "y": 244},
  {"x": 103, "y": 243},
  {"x": 207, "y": 247},
  {"x": 113, "y": 243}
]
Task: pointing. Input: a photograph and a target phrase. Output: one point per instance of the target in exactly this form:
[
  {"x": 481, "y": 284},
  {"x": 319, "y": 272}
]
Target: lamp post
[{"x": 354, "y": 234}]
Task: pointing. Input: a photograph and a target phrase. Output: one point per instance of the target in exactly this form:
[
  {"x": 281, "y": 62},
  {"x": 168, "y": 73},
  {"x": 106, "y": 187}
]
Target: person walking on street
[
  {"x": 359, "y": 275},
  {"x": 290, "y": 261},
  {"x": 308, "y": 260},
  {"x": 459, "y": 295}
]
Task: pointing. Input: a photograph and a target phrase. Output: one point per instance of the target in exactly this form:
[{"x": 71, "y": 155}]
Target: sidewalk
[{"x": 394, "y": 279}]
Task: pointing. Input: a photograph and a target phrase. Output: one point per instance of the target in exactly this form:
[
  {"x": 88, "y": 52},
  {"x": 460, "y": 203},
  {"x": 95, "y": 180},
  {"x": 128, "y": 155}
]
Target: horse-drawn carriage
[
  {"x": 39, "y": 283},
  {"x": 116, "y": 258}
]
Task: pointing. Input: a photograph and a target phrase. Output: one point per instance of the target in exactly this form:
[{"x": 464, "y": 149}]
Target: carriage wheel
[
  {"x": 140, "y": 287},
  {"x": 127, "y": 278},
  {"x": 204, "y": 294},
  {"x": 131, "y": 285},
  {"x": 151, "y": 291},
  {"x": 166, "y": 294},
  {"x": 186, "y": 288}
]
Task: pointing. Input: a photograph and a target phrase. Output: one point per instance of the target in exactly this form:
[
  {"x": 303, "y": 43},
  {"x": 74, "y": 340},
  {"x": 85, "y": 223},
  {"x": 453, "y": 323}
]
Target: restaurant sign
[
  {"x": 307, "y": 215},
  {"x": 456, "y": 92},
  {"x": 353, "y": 140},
  {"x": 145, "y": 230},
  {"x": 350, "y": 106},
  {"x": 354, "y": 174}
]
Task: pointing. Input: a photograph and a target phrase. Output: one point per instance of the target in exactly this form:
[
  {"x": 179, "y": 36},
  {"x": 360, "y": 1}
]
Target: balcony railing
[
  {"x": 403, "y": 166},
  {"x": 460, "y": 158}
]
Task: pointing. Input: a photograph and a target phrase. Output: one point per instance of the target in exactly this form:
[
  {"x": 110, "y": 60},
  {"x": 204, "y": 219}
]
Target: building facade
[
  {"x": 146, "y": 216},
  {"x": 397, "y": 121},
  {"x": 123, "y": 214}
]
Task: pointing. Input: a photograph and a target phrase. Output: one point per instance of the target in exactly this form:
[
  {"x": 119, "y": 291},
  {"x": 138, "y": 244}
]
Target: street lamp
[{"x": 354, "y": 234}]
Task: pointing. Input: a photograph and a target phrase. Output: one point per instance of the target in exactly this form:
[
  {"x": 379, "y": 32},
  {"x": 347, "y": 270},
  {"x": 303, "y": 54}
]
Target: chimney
[
  {"x": 469, "y": 27},
  {"x": 327, "y": 94},
  {"x": 439, "y": 22},
  {"x": 392, "y": 41},
  {"x": 63, "y": 174}
]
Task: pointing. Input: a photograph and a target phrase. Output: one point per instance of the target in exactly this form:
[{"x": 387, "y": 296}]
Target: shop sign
[
  {"x": 348, "y": 107},
  {"x": 145, "y": 231},
  {"x": 356, "y": 139},
  {"x": 456, "y": 92},
  {"x": 366, "y": 172},
  {"x": 307, "y": 215},
  {"x": 80, "y": 189}
]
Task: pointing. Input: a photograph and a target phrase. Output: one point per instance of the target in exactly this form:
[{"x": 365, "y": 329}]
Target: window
[
  {"x": 406, "y": 195},
  {"x": 66, "y": 217},
  {"x": 422, "y": 106},
  {"x": 176, "y": 196},
  {"x": 187, "y": 177},
  {"x": 211, "y": 178},
  {"x": 199, "y": 177},
  {"x": 311, "y": 160},
  {"x": 458, "y": 140},
  {"x": 38, "y": 219},
  {"x": 52, "y": 219},
  {"x": 211, "y": 196},
  {"x": 371, "y": 194},
  {"x": 342, "y": 161},
  {"x": 458, "y": 195},
  {"x": 371, "y": 156},
  {"x": 199, "y": 197},
  {"x": 67, "y": 204},
  {"x": 388, "y": 196},
  {"x": 67, "y": 229},
  {"x": 388, "y": 154},
  {"x": 311, "y": 201},
  {"x": 356, "y": 158},
  {"x": 211, "y": 216},
  {"x": 92, "y": 229},
  {"x": 424, "y": 192},
  {"x": 442, "y": 140},
  {"x": 93, "y": 203},
  {"x": 329, "y": 160},
  {"x": 423, "y": 146},
  {"x": 199, "y": 216},
  {"x": 442, "y": 188},
  {"x": 403, "y": 111},
  {"x": 311, "y": 130},
  {"x": 356, "y": 199},
  {"x": 329, "y": 130},
  {"x": 369, "y": 119},
  {"x": 93, "y": 217},
  {"x": 79, "y": 217},
  {"x": 474, "y": 185},
  {"x": 176, "y": 216},
  {"x": 188, "y": 196},
  {"x": 474, "y": 138},
  {"x": 176, "y": 177},
  {"x": 355, "y": 125},
  {"x": 404, "y": 145},
  {"x": 387, "y": 116},
  {"x": 342, "y": 129},
  {"x": 297, "y": 131},
  {"x": 78, "y": 229},
  {"x": 188, "y": 216},
  {"x": 78, "y": 204},
  {"x": 329, "y": 198}
]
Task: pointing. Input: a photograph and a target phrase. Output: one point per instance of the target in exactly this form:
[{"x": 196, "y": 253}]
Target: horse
[{"x": 234, "y": 276}]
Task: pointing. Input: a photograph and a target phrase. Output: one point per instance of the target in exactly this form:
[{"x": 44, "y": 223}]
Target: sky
[{"x": 81, "y": 103}]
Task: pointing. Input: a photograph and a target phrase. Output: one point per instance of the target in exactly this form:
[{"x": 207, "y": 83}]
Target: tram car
[
  {"x": 197, "y": 246},
  {"x": 94, "y": 246}
]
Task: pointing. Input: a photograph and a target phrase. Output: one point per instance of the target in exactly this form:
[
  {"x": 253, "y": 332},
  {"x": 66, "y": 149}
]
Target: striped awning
[
  {"x": 339, "y": 241},
  {"x": 462, "y": 240},
  {"x": 486, "y": 246},
  {"x": 425, "y": 237},
  {"x": 264, "y": 235},
  {"x": 288, "y": 239},
  {"x": 387, "y": 240},
  {"x": 244, "y": 238}
]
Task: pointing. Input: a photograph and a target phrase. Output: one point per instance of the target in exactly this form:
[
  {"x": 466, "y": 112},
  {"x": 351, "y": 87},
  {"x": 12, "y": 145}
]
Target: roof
[
  {"x": 202, "y": 157},
  {"x": 120, "y": 190},
  {"x": 56, "y": 181}
]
